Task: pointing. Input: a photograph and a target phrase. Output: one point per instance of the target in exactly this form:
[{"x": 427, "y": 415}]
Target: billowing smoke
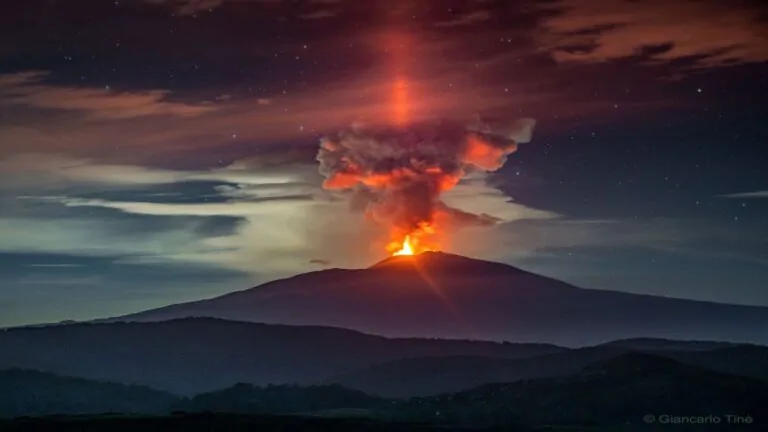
[{"x": 396, "y": 175}]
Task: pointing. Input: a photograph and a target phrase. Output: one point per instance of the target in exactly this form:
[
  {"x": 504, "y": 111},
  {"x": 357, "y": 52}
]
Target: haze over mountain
[
  {"x": 33, "y": 393},
  {"x": 437, "y": 294},
  {"x": 619, "y": 389},
  {"x": 616, "y": 392},
  {"x": 194, "y": 355},
  {"x": 427, "y": 376},
  {"x": 189, "y": 356}
]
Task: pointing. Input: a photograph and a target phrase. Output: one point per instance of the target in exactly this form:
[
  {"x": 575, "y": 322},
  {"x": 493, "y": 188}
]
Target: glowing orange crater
[
  {"x": 406, "y": 248},
  {"x": 422, "y": 239}
]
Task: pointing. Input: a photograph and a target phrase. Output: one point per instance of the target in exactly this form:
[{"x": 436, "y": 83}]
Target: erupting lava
[
  {"x": 421, "y": 239},
  {"x": 396, "y": 175},
  {"x": 406, "y": 249}
]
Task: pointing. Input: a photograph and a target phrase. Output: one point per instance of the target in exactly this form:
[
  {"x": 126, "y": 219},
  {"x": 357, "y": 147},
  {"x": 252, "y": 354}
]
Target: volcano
[{"x": 441, "y": 295}]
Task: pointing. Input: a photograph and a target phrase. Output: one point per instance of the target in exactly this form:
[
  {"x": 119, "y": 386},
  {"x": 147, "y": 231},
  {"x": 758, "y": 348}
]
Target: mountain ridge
[
  {"x": 441, "y": 295},
  {"x": 192, "y": 355},
  {"x": 615, "y": 392},
  {"x": 620, "y": 391}
]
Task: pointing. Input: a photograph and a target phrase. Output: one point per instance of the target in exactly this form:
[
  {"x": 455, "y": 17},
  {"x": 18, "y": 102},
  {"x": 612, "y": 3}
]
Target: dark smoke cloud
[{"x": 396, "y": 175}]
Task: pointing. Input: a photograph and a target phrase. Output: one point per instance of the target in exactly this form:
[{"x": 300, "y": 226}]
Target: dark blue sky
[{"x": 158, "y": 151}]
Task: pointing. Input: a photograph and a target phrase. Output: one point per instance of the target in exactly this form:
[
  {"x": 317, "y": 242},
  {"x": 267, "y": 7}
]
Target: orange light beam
[
  {"x": 401, "y": 105},
  {"x": 397, "y": 43}
]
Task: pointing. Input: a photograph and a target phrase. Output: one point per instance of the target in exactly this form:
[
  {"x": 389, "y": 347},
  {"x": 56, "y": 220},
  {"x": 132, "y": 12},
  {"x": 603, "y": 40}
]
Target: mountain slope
[
  {"x": 619, "y": 391},
  {"x": 442, "y": 295},
  {"x": 33, "y": 393},
  {"x": 426, "y": 376},
  {"x": 249, "y": 399},
  {"x": 744, "y": 360},
  {"x": 194, "y": 355},
  {"x": 189, "y": 356}
]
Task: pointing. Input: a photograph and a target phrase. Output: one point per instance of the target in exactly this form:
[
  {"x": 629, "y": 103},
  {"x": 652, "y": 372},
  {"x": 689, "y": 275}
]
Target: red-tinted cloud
[
  {"x": 711, "y": 33},
  {"x": 28, "y": 88}
]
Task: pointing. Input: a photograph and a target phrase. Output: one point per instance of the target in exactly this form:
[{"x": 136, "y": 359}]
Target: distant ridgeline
[{"x": 614, "y": 384}]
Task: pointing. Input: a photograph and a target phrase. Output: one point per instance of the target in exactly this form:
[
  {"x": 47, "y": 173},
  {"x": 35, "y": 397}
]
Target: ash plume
[{"x": 396, "y": 175}]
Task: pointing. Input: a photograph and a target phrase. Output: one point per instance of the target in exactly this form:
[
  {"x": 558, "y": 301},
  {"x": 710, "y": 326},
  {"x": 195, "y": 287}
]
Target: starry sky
[{"x": 160, "y": 151}]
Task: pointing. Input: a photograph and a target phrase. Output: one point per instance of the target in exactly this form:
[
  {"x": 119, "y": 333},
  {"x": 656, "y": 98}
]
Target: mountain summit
[
  {"x": 436, "y": 294},
  {"x": 443, "y": 263}
]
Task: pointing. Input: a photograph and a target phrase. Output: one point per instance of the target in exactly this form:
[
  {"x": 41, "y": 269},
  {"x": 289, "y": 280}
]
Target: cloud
[
  {"x": 279, "y": 223},
  {"x": 267, "y": 235},
  {"x": 234, "y": 208},
  {"x": 29, "y": 89},
  {"x": 93, "y": 237},
  {"x": 525, "y": 239},
  {"x": 747, "y": 195},
  {"x": 35, "y": 169},
  {"x": 259, "y": 120},
  {"x": 252, "y": 179},
  {"x": 192, "y": 7},
  {"x": 466, "y": 19},
  {"x": 710, "y": 33},
  {"x": 280, "y": 237},
  {"x": 318, "y": 14},
  {"x": 544, "y": 238},
  {"x": 281, "y": 219},
  {"x": 187, "y": 7},
  {"x": 474, "y": 195}
]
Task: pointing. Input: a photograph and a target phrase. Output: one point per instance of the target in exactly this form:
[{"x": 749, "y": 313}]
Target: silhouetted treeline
[
  {"x": 221, "y": 423},
  {"x": 274, "y": 399},
  {"x": 33, "y": 393},
  {"x": 619, "y": 391}
]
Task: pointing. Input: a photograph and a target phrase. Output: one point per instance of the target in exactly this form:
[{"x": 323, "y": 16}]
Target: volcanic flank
[{"x": 436, "y": 294}]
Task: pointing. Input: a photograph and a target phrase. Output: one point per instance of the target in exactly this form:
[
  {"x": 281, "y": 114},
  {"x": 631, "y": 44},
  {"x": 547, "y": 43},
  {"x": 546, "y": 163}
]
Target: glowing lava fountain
[{"x": 406, "y": 249}]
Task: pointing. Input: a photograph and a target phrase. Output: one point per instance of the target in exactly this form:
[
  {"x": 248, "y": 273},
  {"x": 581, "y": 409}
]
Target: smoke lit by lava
[{"x": 396, "y": 174}]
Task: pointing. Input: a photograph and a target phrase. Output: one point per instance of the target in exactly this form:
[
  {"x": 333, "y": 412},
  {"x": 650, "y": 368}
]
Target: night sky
[{"x": 159, "y": 151}]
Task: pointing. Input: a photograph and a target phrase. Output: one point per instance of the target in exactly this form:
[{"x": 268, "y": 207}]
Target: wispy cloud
[
  {"x": 187, "y": 7},
  {"x": 92, "y": 237},
  {"x": 24, "y": 170},
  {"x": 747, "y": 195},
  {"x": 30, "y": 89},
  {"x": 709, "y": 33},
  {"x": 284, "y": 219},
  {"x": 160, "y": 129},
  {"x": 524, "y": 239},
  {"x": 192, "y": 7},
  {"x": 35, "y": 170},
  {"x": 466, "y": 19},
  {"x": 318, "y": 14}
]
